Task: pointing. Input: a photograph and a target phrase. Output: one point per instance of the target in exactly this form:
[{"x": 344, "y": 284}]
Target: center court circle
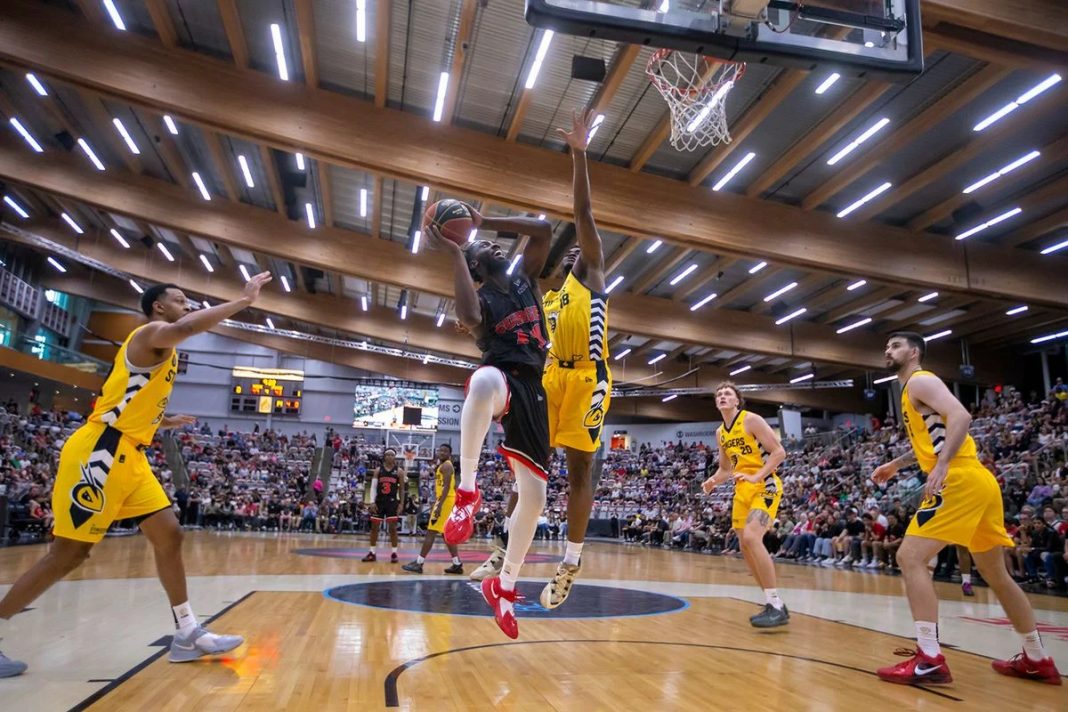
[{"x": 464, "y": 598}]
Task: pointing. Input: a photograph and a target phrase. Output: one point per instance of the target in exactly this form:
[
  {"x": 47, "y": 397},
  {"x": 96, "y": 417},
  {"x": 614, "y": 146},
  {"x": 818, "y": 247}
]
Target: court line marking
[{"x": 392, "y": 698}]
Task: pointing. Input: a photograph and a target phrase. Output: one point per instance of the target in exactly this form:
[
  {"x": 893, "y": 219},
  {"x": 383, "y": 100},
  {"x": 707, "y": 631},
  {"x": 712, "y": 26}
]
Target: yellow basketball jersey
[
  {"x": 577, "y": 319},
  {"x": 745, "y": 452},
  {"x": 133, "y": 399},
  {"x": 927, "y": 432},
  {"x": 439, "y": 484}
]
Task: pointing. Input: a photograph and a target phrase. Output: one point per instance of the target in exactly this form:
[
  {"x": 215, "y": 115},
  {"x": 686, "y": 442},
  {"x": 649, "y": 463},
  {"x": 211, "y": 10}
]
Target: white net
[{"x": 695, "y": 88}]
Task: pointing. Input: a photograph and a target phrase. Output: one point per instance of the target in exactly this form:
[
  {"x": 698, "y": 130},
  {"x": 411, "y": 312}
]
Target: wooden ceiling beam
[
  {"x": 308, "y": 46},
  {"x": 1035, "y": 230},
  {"x": 161, "y": 20},
  {"x": 383, "y": 23},
  {"x": 468, "y": 12},
  {"x": 235, "y": 34},
  {"x": 1040, "y": 22},
  {"x": 701, "y": 279},
  {"x": 622, "y": 253},
  {"x": 660, "y": 271},
  {"x": 618, "y": 70}
]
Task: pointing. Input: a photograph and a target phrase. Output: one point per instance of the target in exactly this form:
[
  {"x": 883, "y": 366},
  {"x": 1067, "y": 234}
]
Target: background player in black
[
  {"x": 505, "y": 316},
  {"x": 387, "y": 486}
]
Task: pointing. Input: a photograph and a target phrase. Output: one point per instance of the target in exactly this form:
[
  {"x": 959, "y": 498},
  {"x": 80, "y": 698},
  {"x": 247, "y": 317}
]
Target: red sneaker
[
  {"x": 461, "y": 522},
  {"x": 493, "y": 593},
  {"x": 370, "y": 557},
  {"x": 1020, "y": 665},
  {"x": 919, "y": 669}
]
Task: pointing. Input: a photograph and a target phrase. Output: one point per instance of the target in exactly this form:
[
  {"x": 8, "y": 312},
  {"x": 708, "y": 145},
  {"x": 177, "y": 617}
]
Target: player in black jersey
[
  {"x": 387, "y": 487},
  {"x": 505, "y": 316}
]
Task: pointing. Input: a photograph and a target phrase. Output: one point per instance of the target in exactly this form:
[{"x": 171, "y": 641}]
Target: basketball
[{"x": 453, "y": 219}]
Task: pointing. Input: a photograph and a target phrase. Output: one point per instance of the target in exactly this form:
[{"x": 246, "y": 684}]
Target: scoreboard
[{"x": 266, "y": 391}]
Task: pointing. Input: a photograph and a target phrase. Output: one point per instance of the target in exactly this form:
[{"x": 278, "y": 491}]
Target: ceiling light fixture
[
  {"x": 733, "y": 171},
  {"x": 856, "y": 285},
  {"x": 828, "y": 82},
  {"x": 243, "y": 162},
  {"x": 113, "y": 11},
  {"x": 683, "y": 274},
  {"x": 615, "y": 283},
  {"x": 26, "y": 135},
  {"x": 439, "y": 103},
  {"x": 309, "y": 213},
  {"x": 73, "y": 225},
  {"x": 55, "y": 263},
  {"x": 171, "y": 126},
  {"x": 36, "y": 84},
  {"x": 622, "y": 353},
  {"x": 741, "y": 369},
  {"x": 16, "y": 207},
  {"x": 200, "y": 186},
  {"x": 88, "y": 150},
  {"x": 1002, "y": 171},
  {"x": 992, "y": 221},
  {"x": 852, "y": 145},
  {"x": 854, "y": 325},
  {"x": 119, "y": 238},
  {"x": 535, "y": 68},
  {"x": 867, "y": 198},
  {"x": 1016, "y": 310},
  {"x": 703, "y": 301},
  {"x": 653, "y": 247},
  {"x": 166, "y": 253},
  {"x": 780, "y": 291},
  {"x": 790, "y": 316},
  {"x": 126, "y": 137},
  {"x": 1014, "y": 105},
  {"x": 279, "y": 52},
  {"x": 757, "y": 267},
  {"x": 207, "y": 264}
]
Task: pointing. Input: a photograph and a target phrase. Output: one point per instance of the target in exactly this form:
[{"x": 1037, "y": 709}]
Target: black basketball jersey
[
  {"x": 511, "y": 332},
  {"x": 388, "y": 484}
]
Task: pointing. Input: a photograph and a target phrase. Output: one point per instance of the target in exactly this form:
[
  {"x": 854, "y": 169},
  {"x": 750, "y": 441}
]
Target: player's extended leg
[
  {"x": 492, "y": 565},
  {"x": 760, "y": 563},
  {"x": 579, "y": 506},
  {"x": 371, "y": 556},
  {"x": 416, "y": 567},
  {"x": 928, "y": 665},
  {"x": 487, "y": 398},
  {"x": 1033, "y": 663},
  {"x": 191, "y": 640},
  {"x": 964, "y": 558},
  {"x": 392, "y": 524},
  {"x": 499, "y": 592}
]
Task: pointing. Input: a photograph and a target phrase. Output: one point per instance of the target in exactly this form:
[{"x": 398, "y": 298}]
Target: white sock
[
  {"x": 184, "y": 618},
  {"x": 456, "y": 560},
  {"x": 927, "y": 638},
  {"x": 965, "y": 578},
  {"x": 1032, "y": 645},
  {"x": 523, "y": 523},
  {"x": 419, "y": 559},
  {"x": 487, "y": 393},
  {"x": 468, "y": 470},
  {"x": 393, "y": 549},
  {"x": 771, "y": 595},
  {"x": 510, "y": 574},
  {"x": 572, "y": 553}
]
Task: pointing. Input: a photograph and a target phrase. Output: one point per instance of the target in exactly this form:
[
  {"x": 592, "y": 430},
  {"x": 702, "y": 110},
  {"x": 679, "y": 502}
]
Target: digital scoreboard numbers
[{"x": 266, "y": 391}]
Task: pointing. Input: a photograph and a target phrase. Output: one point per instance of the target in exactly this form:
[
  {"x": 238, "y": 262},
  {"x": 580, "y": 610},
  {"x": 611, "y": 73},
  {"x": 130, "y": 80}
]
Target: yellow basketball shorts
[
  {"x": 437, "y": 524},
  {"x": 750, "y": 496},
  {"x": 103, "y": 477},
  {"x": 578, "y": 401},
  {"x": 968, "y": 511}
]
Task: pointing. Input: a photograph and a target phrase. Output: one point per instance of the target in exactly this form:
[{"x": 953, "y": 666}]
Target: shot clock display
[{"x": 266, "y": 391}]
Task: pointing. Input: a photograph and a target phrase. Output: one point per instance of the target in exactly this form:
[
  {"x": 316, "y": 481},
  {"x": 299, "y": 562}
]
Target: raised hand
[
  {"x": 253, "y": 286},
  {"x": 884, "y": 472},
  {"x": 578, "y": 138},
  {"x": 438, "y": 241},
  {"x": 177, "y": 421}
]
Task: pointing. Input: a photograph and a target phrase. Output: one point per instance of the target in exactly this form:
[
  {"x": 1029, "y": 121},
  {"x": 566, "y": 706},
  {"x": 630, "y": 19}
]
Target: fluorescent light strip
[
  {"x": 927, "y": 297},
  {"x": 597, "y": 121},
  {"x": 300, "y": 161},
  {"x": 683, "y": 274},
  {"x": 52, "y": 261},
  {"x": 781, "y": 291},
  {"x": 704, "y": 301},
  {"x": 622, "y": 353},
  {"x": 363, "y": 302},
  {"x": 26, "y": 135},
  {"x": 270, "y": 324},
  {"x": 16, "y": 207},
  {"x": 541, "y": 216},
  {"x": 474, "y": 233},
  {"x": 854, "y": 325},
  {"x": 361, "y": 20},
  {"x": 171, "y": 126},
  {"x": 734, "y": 171},
  {"x": 363, "y": 202},
  {"x": 657, "y": 359},
  {"x": 443, "y": 88},
  {"x": 279, "y": 52},
  {"x": 664, "y": 6},
  {"x": 73, "y": 225},
  {"x": 671, "y": 397},
  {"x": 741, "y": 369},
  {"x": 126, "y": 137},
  {"x": 1002, "y": 171},
  {"x": 440, "y": 319},
  {"x": 992, "y": 221},
  {"x": 1016, "y": 310},
  {"x": 856, "y": 285},
  {"x": 939, "y": 335},
  {"x": 36, "y": 84},
  {"x": 828, "y": 82},
  {"x": 309, "y": 212},
  {"x": 416, "y": 238},
  {"x": 615, "y": 283},
  {"x": 1040, "y": 339},
  {"x": 207, "y": 264},
  {"x": 244, "y": 272},
  {"x": 757, "y": 267},
  {"x": 1053, "y": 248},
  {"x": 869, "y": 197},
  {"x": 1022, "y": 99},
  {"x": 404, "y": 311},
  {"x": 243, "y": 162},
  {"x": 790, "y": 316},
  {"x": 200, "y": 185},
  {"x": 119, "y": 238},
  {"x": 137, "y": 287},
  {"x": 424, "y": 193},
  {"x": 88, "y": 150},
  {"x": 285, "y": 284},
  {"x": 515, "y": 261},
  {"x": 653, "y": 247},
  {"x": 535, "y": 68},
  {"x": 806, "y": 377},
  {"x": 165, "y": 251},
  {"x": 852, "y": 146},
  {"x": 877, "y": 381},
  {"x": 109, "y": 5}
]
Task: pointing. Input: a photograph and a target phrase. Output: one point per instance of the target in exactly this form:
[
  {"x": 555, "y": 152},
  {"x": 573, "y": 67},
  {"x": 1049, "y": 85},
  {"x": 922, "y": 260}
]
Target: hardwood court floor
[{"x": 309, "y": 651}]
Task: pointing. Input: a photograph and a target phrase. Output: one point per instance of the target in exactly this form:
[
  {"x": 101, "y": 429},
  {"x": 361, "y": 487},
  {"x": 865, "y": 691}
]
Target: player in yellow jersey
[
  {"x": 750, "y": 452},
  {"x": 444, "y": 498},
  {"x": 104, "y": 476},
  {"x": 962, "y": 505}
]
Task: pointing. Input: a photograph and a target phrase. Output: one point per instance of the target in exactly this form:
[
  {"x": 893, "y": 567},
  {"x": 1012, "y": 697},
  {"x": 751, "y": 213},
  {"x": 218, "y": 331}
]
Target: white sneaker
[
  {"x": 9, "y": 667},
  {"x": 490, "y": 567},
  {"x": 199, "y": 643},
  {"x": 847, "y": 560},
  {"x": 558, "y": 589}
]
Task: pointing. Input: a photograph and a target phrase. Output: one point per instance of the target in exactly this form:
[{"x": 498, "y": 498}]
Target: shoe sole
[
  {"x": 777, "y": 624},
  {"x": 947, "y": 680}
]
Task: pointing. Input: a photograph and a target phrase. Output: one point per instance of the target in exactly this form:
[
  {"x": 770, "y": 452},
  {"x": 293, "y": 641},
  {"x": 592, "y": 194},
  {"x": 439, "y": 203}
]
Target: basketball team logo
[
  {"x": 594, "y": 417},
  {"x": 928, "y": 507},
  {"x": 87, "y": 498}
]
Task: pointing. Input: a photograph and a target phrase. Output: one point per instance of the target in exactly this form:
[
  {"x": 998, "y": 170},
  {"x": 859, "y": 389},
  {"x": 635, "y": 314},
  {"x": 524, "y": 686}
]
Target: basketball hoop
[
  {"x": 695, "y": 88},
  {"x": 409, "y": 458}
]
